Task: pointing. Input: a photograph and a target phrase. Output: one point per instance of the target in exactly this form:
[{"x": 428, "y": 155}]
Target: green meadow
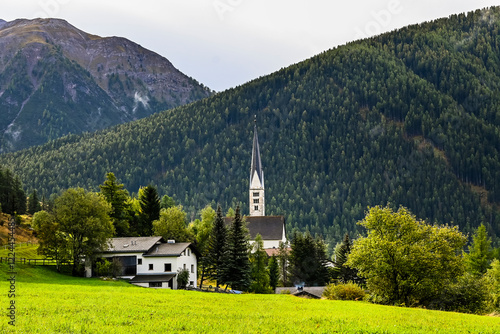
[{"x": 48, "y": 302}]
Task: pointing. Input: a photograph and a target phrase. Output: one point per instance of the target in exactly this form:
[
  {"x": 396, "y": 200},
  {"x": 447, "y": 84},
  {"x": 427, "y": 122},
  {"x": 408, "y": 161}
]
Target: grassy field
[
  {"x": 26, "y": 251},
  {"x": 47, "y": 302}
]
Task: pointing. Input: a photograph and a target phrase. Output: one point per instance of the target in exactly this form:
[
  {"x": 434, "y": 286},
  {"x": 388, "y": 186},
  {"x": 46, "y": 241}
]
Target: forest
[{"x": 410, "y": 117}]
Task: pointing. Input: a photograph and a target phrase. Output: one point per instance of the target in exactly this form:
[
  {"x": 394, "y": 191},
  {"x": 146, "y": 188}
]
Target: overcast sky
[{"x": 225, "y": 43}]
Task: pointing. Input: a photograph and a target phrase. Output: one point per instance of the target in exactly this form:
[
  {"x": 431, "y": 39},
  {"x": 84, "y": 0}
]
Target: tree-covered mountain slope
[
  {"x": 408, "y": 118},
  {"x": 56, "y": 79}
]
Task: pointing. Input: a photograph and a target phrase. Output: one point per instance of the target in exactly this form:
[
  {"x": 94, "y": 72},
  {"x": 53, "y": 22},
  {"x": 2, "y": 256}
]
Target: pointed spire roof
[{"x": 256, "y": 167}]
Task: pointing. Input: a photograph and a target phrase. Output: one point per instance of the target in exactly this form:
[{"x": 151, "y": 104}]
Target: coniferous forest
[{"x": 411, "y": 117}]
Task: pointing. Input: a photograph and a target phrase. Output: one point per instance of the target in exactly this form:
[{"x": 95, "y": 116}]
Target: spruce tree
[
  {"x": 33, "y": 203},
  {"x": 117, "y": 196},
  {"x": 480, "y": 254},
  {"x": 150, "y": 207},
  {"x": 216, "y": 249},
  {"x": 343, "y": 272},
  {"x": 274, "y": 273},
  {"x": 236, "y": 270}
]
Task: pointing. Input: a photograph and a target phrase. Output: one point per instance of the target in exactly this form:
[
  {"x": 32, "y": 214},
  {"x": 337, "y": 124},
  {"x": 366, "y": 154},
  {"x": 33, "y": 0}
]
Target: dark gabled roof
[
  {"x": 256, "y": 165},
  {"x": 144, "y": 278},
  {"x": 132, "y": 244},
  {"x": 171, "y": 249},
  {"x": 269, "y": 227}
]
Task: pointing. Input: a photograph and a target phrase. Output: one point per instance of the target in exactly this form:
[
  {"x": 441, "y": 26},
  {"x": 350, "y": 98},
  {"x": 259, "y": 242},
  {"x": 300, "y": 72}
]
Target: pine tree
[
  {"x": 308, "y": 260},
  {"x": 217, "y": 245},
  {"x": 343, "y": 272},
  {"x": 118, "y": 198},
  {"x": 274, "y": 273},
  {"x": 480, "y": 254},
  {"x": 283, "y": 261},
  {"x": 150, "y": 210},
  {"x": 33, "y": 203},
  {"x": 236, "y": 270}
]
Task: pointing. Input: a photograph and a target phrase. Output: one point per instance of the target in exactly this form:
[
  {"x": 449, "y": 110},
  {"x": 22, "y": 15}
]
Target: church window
[
  {"x": 255, "y": 201},
  {"x": 256, "y": 208},
  {"x": 255, "y": 194}
]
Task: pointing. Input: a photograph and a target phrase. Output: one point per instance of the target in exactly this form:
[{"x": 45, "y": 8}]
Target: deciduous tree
[
  {"x": 405, "y": 260},
  {"x": 259, "y": 271},
  {"x": 172, "y": 225}
]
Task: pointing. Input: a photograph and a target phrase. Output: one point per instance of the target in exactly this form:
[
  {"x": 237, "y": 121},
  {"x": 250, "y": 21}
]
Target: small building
[{"x": 150, "y": 261}]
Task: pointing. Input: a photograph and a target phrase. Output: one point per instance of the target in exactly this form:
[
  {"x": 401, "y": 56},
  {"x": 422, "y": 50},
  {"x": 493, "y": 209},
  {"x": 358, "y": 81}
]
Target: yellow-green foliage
[
  {"x": 344, "y": 291},
  {"x": 47, "y": 302}
]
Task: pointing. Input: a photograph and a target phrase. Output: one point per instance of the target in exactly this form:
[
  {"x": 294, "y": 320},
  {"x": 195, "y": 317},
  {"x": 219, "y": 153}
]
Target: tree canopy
[{"x": 405, "y": 260}]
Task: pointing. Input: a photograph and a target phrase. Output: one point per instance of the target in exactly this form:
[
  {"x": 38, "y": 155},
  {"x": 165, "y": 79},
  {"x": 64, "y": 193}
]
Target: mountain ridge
[{"x": 116, "y": 79}]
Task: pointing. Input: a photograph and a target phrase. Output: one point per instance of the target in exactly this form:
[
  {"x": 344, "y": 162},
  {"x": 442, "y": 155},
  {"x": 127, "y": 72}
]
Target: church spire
[{"x": 256, "y": 204}]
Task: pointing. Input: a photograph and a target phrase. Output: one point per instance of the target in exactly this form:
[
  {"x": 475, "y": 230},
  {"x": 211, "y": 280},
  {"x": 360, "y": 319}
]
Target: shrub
[
  {"x": 103, "y": 267},
  {"x": 182, "y": 278},
  {"x": 469, "y": 294},
  {"x": 344, "y": 291}
]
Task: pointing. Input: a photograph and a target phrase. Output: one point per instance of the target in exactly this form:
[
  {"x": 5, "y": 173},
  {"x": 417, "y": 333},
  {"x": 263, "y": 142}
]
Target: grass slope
[{"x": 48, "y": 302}]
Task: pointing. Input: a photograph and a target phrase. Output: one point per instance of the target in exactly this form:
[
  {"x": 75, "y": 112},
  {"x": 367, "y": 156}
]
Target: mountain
[
  {"x": 56, "y": 79},
  {"x": 410, "y": 117}
]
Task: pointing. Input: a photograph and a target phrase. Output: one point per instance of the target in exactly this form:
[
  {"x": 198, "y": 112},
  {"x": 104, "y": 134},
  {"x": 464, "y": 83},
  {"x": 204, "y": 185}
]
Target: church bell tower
[{"x": 257, "y": 199}]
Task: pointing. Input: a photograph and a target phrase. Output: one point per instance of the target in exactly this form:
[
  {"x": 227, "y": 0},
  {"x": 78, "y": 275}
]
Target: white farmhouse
[{"x": 150, "y": 261}]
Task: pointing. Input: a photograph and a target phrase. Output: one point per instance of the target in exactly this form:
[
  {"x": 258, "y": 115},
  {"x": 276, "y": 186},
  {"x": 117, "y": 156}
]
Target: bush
[
  {"x": 103, "y": 267},
  {"x": 182, "y": 278},
  {"x": 344, "y": 291},
  {"x": 469, "y": 294}
]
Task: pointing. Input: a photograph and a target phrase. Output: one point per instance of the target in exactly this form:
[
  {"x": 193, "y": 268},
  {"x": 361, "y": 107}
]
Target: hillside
[
  {"x": 56, "y": 79},
  {"x": 411, "y": 118}
]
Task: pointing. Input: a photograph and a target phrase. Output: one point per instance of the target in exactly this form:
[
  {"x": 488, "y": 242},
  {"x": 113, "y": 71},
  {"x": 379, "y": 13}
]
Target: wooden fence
[{"x": 35, "y": 262}]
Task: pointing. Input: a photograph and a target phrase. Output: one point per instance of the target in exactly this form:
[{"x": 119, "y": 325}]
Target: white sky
[{"x": 225, "y": 43}]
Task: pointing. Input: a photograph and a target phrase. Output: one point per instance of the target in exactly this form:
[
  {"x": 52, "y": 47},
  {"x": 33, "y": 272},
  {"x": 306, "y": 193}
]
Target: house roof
[
  {"x": 168, "y": 249},
  {"x": 152, "y": 278},
  {"x": 269, "y": 227},
  {"x": 132, "y": 244},
  {"x": 275, "y": 251}
]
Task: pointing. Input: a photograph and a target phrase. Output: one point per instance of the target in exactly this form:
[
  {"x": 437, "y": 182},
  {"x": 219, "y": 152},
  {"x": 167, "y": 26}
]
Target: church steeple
[{"x": 257, "y": 204}]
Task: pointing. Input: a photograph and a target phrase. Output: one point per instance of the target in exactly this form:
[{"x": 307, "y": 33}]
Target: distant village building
[
  {"x": 150, "y": 261},
  {"x": 271, "y": 228}
]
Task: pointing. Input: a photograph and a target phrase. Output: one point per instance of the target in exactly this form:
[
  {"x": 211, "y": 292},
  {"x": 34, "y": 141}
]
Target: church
[{"x": 271, "y": 228}]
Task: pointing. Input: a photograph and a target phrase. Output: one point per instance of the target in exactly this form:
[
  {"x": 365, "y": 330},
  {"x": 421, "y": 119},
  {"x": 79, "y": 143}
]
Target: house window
[
  {"x": 189, "y": 252},
  {"x": 150, "y": 266},
  {"x": 192, "y": 268},
  {"x": 191, "y": 283},
  {"x": 255, "y": 194},
  {"x": 255, "y": 201},
  {"x": 139, "y": 261},
  {"x": 184, "y": 266},
  {"x": 155, "y": 284},
  {"x": 168, "y": 267},
  {"x": 256, "y": 208}
]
